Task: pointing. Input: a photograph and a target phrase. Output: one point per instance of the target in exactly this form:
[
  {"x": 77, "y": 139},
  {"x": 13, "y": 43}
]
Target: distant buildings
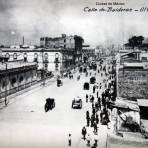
[{"x": 63, "y": 42}]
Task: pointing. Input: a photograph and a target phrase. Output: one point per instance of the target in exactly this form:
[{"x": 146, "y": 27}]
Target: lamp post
[
  {"x": 6, "y": 102},
  {"x": 25, "y": 60},
  {"x": 43, "y": 61}
]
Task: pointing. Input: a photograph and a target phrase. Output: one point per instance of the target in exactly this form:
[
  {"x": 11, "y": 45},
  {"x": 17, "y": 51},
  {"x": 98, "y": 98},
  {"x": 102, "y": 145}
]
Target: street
[{"x": 24, "y": 122}]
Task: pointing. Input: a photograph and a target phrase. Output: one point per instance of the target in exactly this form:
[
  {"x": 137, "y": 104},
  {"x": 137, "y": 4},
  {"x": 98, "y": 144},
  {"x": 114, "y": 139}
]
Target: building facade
[
  {"x": 132, "y": 71},
  {"x": 16, "y": 76},
  {"x": 70, "y": 45}
]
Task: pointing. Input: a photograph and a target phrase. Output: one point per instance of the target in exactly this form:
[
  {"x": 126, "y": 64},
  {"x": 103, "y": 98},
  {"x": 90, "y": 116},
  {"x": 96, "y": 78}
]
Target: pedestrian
[
  {"x": 92, "y": 99},
  {"x": 101, "y": 117},
  {"x": 86, "y": 98},
  {"x": 97, "y": 119},
  {"x": 94, "y": 88},
  {"x": 105, "y": 85},
  {"x": 93, "y": 111},
  {"x": 90, "y": 96},
  {"x": 99, "y": 103},
  {"x": 92, "y": 120},
  {"x": 96, "y": 106},
  {"x": 95, "y": 128},
  {"x": 97, "y": 94},
  {"x": 88, "y": 140},
  {"x": 69, "y": 140},
  {"x": 87, "y": 118},
  {"x": 84, "y": 132},
  {"x": 87, "y": 114},
  {"x": 78, "y": 78},
  {"x": 94, "y": 146}
]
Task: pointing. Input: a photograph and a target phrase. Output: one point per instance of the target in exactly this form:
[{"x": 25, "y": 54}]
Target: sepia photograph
[{"x": 73, "y": 74}]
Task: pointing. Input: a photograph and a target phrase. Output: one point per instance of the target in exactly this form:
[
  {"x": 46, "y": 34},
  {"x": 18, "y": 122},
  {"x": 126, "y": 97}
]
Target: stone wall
[{"x": 133, "y": 84}]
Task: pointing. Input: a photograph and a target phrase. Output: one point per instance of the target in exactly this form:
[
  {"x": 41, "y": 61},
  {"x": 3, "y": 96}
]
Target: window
[
  {"x": 35, "y": 57},
  {"x": 13, "y": 81},
  {"x": 7, "y": 55},
  {"x": 15, "y": 56},
  {"x": 144, "y": 58},
  {"x": 25, "y": 57},
  {"x": 21, "y": 79},
  {"x": 3, "y": 84}
]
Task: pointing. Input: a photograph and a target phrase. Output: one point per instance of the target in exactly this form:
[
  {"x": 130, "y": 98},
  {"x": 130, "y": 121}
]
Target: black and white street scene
[{"x": 73, "y": 73}]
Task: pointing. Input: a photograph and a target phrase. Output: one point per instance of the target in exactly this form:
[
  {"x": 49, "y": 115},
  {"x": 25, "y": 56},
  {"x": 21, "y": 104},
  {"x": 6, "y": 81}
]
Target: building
[
  {"x": 88, "y": 54},
  {"x": 66, "y": 42},
  {"x": 69, "y": 45},
  {"x": 16, "y": 76}
]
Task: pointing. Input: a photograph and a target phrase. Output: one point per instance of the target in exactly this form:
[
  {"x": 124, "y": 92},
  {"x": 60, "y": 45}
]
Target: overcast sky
[{"x": 35, "y": 18}]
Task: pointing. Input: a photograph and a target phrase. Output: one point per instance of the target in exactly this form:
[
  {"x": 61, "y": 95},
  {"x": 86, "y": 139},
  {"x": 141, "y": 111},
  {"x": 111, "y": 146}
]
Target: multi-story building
[
  {"x": 16, "y": 76},
  {"x": 71, "y": 44},
  {"x": 64, "y": 42}
]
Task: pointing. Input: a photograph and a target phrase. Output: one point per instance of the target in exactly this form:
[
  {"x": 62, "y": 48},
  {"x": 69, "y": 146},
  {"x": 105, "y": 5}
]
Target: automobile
[
  {"x": 86, "y": 86},
  {"x": 77, "y": 103},
  {"x": 92, "y": 80},
  {"x": 50, "y": 104},
  {"x": 59, "y": 83}
]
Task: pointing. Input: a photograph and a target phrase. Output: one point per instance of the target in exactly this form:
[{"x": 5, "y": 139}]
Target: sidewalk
[{"x": 11, "y": 98}]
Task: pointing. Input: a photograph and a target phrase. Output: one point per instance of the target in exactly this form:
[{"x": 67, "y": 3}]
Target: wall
[
  {"x": 114, "y": 141},
  {"x": 133, "y": 84},
  {"x": 144, "y": 56}
]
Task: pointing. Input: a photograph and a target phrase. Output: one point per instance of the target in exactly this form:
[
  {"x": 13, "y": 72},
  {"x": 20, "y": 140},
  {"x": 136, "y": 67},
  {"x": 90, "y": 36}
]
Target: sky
[{"x": 37, "y": 18}]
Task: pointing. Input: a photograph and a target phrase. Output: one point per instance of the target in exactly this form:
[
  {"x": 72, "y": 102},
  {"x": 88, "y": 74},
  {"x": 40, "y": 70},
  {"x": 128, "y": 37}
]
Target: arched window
[
  {"x": 21, "y": 79},
  {"x": 4, "y": 84},
  {"x": 56, "y": 58},
  {"x": 13, "y": 81},
  {"x": 7, "y": 55},
  {"x": 46, "y": 56},
  {"x": 35, "y": 57},
  {"x": 25, "y": 57},
  {"x": 15, "y": 56}
]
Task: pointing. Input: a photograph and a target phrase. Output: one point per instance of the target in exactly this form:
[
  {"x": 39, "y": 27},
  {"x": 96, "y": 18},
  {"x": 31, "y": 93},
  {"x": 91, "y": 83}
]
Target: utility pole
[
  {"x": 43, "y": 66},
  {"x": 6, "y": 86}
]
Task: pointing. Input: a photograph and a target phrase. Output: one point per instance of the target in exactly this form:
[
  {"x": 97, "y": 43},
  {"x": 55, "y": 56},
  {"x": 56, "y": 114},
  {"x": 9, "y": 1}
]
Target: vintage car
[
  {"x": 59, "y": 83},
  {"x": 86, "y": 86},
  {"x": 92, "y": 80},
  {"x": 50, "y": 104},
  {"x": 77, "y": 104}
]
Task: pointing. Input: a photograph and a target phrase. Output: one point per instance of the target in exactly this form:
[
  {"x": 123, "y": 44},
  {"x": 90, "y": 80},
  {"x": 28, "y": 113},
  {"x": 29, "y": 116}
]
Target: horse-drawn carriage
[{"x": 50, "y": 104}]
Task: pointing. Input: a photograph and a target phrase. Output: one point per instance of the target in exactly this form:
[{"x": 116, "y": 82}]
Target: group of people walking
[{"x": 99, "y": 100}]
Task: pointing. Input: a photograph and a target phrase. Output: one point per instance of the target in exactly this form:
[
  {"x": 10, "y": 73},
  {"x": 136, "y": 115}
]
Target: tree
[{"x": 135, "y": 41}]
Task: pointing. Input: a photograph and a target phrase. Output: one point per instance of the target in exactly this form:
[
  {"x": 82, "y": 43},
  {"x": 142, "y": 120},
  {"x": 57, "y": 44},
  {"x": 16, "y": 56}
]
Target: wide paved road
[{"x": 24, "y": 123}]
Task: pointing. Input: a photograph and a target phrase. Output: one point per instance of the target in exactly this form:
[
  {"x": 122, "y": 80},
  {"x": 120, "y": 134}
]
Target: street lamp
[{"x": 6, "y": 102}]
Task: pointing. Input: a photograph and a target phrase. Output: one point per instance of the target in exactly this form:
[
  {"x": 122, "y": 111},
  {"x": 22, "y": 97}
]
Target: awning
[
  {"x": 143, "y": 102},
  {"x": 126, "y": 104}
]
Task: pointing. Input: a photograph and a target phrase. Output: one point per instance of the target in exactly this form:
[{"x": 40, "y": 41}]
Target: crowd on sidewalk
[
  {"x": 100, "y": 104},
  {"x": 100, "y": 98}
]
